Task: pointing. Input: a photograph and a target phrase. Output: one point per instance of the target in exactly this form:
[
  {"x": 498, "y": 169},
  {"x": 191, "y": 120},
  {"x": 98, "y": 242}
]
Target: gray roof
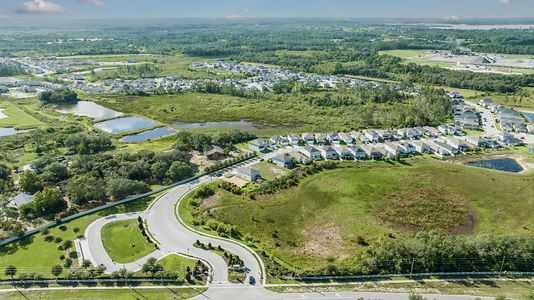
[{"x": 20, "y": 199}]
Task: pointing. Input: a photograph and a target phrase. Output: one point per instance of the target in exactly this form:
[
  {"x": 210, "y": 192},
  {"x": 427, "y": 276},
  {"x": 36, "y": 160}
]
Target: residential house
[
  {"x": 421, "y": 146},
  {"x": 384, "y": 135},
  {"x": 308, "y": 138},
  {"x": 394, "y": 149},
  {"x": 408, "y": 148},
  {"x": 371, "y": 151},
  {"x": 432, "y": 132},
  {"x": 346, "y": 138},
  {"x": 506, "y": 139},
  {"x": 311, "y": 152},
  {"x": 282, "y": 160},
  {"x": 357, "y": 152},
  {"x": 384, "y": 152},
  {"x": 328, "y": 152},
  {"x": 215, "y": 153},
  {"x": 300, "y": 158},
  {"x": 259, "y": 145},
  {"x": 344, "y": 153},
  {"x": 485, "y": 102},
  {"x": 20, "y": 199},
  {"x": 333, "y": 138},
  {"x": 372, "y": 136},
  {"x": 477, "y": 141},
  {"x": 294, "y": 139},
  {"x": 356, "y": 136},
  {"x": 320, "y": 138},
  {"x": 248, "y": 173}
]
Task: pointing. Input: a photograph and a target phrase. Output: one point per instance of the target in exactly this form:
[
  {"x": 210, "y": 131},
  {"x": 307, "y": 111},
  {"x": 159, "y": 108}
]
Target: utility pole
[
  {"x": 502, "y": 263},
  {"x": 411, "y": 268}
]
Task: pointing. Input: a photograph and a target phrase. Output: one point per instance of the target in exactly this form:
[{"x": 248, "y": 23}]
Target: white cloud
[
  {"x": 451, "y": 18},
  {"x": 94, "y": 2},
  {"x": 505, "y": 2},
  {"x": 40, "y": 7},
  {"x": 4, "y": 17}
]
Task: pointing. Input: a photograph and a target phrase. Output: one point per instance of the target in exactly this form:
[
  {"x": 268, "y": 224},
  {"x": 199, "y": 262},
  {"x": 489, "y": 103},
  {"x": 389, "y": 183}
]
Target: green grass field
[
  {"x": 16, "y": 117},
  {"x": 124, "y": 242},
  {"x": 326, "y": 214},
  {"x": 34, "y": 254},
  {"x": 404, "y": 53},
  {"x": 102, "y": 294}
]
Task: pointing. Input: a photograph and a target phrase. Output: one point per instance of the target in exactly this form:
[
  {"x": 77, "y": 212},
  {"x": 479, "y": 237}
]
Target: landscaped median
[{"x": 124, "y": 241}]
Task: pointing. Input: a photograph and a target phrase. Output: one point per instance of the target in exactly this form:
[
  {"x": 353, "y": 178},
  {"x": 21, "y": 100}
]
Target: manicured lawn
[
  {"x": 124, "y": 242},
  {"x": 16, "y": 117},
  {"x": 177, "y": 263},
  {"x": 34, "y": 254},
  {"x": 325, "y": 216},
  {"x": 115, "y": 294}
]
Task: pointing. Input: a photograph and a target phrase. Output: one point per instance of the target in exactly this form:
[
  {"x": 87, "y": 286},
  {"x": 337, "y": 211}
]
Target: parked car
[{"x": 251, "y": 280}]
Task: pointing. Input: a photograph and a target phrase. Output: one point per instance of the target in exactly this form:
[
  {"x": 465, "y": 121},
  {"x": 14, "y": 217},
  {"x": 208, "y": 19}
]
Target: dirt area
[
  {"x": 277, "y": 172},
  {"x": 210, "y": 201},
  {"x": 237, "y": 181},
  {"x": 321, "y": 241}
]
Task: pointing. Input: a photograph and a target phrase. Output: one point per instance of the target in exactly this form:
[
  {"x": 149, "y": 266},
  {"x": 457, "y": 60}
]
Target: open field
[
  {"x": 325, "y": 216},
  {"x": 404, "y": 53},
  {"x": 124, "y": 242},
  {"x": 16, "y": 117},
  {"x": 116, "y": 294},
  {"x": 34, "y": 254},
  {"x": 282, "y": 116},
  {"x": 495, "y": 288}
]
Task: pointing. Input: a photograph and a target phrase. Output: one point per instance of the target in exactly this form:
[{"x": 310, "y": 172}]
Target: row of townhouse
[
  {"x": 445, "y": 146},
  {"x": 366, "y": 136},
  {"x": 465, "y": 115},
  {"x": 509, "y": 119}
]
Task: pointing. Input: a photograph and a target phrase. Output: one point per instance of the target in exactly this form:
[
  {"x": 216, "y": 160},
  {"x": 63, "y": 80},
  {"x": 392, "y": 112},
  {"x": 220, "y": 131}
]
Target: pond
[
  {"x": 530, "y": 116},
  {"x": 241, "y": 124},
  {"x": 88, "y": 109},
  {"x": 148, "y": 135},
  {"x": 500, "y": 164},
  {"x": 125, "y": 124},
  {"x": 4, "y": 131}
]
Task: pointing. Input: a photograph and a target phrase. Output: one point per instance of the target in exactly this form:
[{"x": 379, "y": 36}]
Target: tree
[
  {"x": 10, "y": 271},
  {"x": 59, "y": 96},
  {"x": 56, "y": 270},
  {"x": 29, "y": 182},
  {"x": 81, "y": 189},
  {"x": 49, "y": 201},
  {"x": 4, "y": 172},
  {"x": 179, "y": 170},
  {"x": 152, "y": 266},
  {"x": 120, "y": 188}
]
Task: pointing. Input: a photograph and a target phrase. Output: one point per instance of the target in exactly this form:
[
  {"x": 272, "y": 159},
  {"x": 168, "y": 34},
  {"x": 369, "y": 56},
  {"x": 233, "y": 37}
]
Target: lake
[
  {"x": 125, "y": 124},
  {"x": 148, "y": 135},
  {"x": 88, "y": 109},
  {"x": 500, "y": 164},
  {"x": 5, "y": 131},
  {"x": 242, "y": 123}
]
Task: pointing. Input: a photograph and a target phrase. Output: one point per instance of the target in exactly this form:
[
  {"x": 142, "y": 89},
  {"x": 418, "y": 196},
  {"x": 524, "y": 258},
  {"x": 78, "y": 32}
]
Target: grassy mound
[{"x": 124, "y": 242}]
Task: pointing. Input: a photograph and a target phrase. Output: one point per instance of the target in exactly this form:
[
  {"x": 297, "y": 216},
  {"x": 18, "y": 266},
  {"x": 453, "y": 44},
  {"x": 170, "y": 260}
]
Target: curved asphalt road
[{"x": 173, "y": 236}]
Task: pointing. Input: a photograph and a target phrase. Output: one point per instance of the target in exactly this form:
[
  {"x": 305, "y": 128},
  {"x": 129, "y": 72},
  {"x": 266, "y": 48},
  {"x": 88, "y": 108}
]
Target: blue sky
[{"x": 448, "y": 9}]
